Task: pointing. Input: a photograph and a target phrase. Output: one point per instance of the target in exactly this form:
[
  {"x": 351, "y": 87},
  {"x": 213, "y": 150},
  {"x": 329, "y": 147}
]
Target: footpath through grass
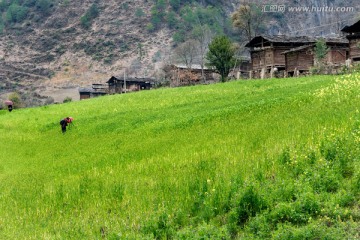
[{"x": 274, "y": 159}]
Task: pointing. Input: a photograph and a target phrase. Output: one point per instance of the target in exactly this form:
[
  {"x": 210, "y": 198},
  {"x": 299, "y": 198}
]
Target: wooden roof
[
  {"x": 355, "y": 28},
  {"x": 130, "y": 79},
  {"x": 259, "y": 41}
]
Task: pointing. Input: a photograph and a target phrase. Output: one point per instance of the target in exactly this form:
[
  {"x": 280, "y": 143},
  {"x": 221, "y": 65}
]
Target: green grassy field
[{"x": 259, "y": 159}]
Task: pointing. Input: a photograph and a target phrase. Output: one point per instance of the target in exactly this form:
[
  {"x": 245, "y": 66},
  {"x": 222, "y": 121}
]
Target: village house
[
  {"x": 301, "y": 59},
  {"x": 353, "y": 35},
  {"x": 130, "y": 84},
  {"x": 242, "y": 69},
  {"x": 266, "y": 52},
  {"x": 96, "y": 90},
  {"x": 182, "y": 75}
]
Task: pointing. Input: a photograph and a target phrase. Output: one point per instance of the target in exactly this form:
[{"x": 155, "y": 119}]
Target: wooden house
[
  {"x": 353, "y": 35},
  {"x": 266, "y": 53},
  {"x": 122, "y": 85},
  {"x": 182, "y": 75},
  {"x": 242, "y": 69},
  {"x": 301, "y": 59},
  {"x": 95, "y": 90}
]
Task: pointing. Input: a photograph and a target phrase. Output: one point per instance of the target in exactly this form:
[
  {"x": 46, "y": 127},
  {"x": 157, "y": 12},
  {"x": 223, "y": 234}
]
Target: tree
[
  {"x": 320, "y": 49},
  {"x": 44, "y": 6},
  {"x": 16, "y": 13},
  {"x": 187, "y": 52},
  {"x": 139, "y": 13},
  {"x": 203, "y": 34},
  {"x": 221, "y": 56},
  {"x": 175, "y": 4},
  {"x": 249, "y": 19},
  {"x": 91, "y": 14}
]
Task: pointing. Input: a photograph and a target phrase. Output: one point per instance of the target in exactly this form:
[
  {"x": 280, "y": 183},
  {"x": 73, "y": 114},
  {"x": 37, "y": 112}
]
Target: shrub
[
  {"x": 307, "y": 204},
  {"x": 325, "y": 179},
  {"x": 171, "y": 20},
  {"x": 67, "y": 99},
  {"x": 203, "y": 231},
  {"x": 44, "y": 6},
  {"x": 248, "y": 206},
  {"x": 16, "y": 13},
  {"x": 90, "y": 15},
  {"x": 150, "y": 27},
  {"x": 49, "y": 100},
  {"x": 139, "y": 13},
  {"x": 312, "y": 231},
  {"x": 160, "y": 228},
  {"x": 337, "y": 153},
  {"x": 175, "y": 4},
  {"x": 260, "y": 227}
]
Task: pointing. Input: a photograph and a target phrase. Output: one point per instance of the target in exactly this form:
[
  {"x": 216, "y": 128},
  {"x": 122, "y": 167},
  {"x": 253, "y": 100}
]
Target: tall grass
[{"x": 251, "y": 159}]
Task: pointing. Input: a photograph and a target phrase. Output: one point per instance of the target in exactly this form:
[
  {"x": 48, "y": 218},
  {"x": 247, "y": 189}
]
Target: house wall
[
  {"x": 301, "y": 60},
  {"x": 269, "y": 57},
  {"x": 354, "y": 49},
  {"x": 279, "y": 58},
  {"x": 304, "y": 59},
  {"x": 257, "y": 59},
  {"x": 337, "y": 56},
  {"x": 84, "y": 96}
]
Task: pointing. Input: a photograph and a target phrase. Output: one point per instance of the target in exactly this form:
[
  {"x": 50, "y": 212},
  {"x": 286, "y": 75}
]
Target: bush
[
  {"x": 150, "y": 27},
  {"x": 16, "y": 13},
  {"x": 44, "y": 6},
  {"x": 325, "y": 180},
  {"x": 67, "y": 99},
  {"x": 175, "y": 4},
  {"x": 90, "y": 15},
  {"x": 248, "y": 206},
  {"x": 139, "y": 13},
  {"x": 203, "y": 231}
]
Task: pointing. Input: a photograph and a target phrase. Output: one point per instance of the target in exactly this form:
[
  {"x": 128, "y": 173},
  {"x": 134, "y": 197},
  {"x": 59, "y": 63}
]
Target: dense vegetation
[
  {"x": 186, "y": 17},
  {"x": 275, "y": 159},
  {"x": 16, "y": 11}
]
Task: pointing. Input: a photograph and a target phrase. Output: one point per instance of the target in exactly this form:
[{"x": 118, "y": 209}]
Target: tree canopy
[
  {"x": 249, "y": 20},
  {"x": 221, "y": 55}
]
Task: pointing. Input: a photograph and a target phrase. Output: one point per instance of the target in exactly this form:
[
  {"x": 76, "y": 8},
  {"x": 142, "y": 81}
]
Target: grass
[{"x": 274, "y": 159}]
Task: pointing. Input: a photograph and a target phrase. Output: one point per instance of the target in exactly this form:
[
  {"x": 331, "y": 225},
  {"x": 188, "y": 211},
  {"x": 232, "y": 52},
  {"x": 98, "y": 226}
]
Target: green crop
[{"x": 257, "y": 159}]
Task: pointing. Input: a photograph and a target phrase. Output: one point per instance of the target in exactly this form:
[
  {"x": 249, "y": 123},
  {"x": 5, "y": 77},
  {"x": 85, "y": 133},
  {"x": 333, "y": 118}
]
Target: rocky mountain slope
[{"x": 51, "y": 53}]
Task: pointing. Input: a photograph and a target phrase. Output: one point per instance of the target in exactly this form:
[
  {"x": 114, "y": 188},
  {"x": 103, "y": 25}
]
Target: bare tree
[
  {"x": 249, "y": 19},
  {"x": 203, "y": 35},
  {"x": 187, "y": 52}
]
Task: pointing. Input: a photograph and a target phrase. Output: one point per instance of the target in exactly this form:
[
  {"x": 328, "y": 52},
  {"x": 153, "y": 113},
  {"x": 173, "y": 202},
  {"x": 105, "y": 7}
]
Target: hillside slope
[
  {"x": 272, "y": 159},
  {"x": 51, "y": 50}
]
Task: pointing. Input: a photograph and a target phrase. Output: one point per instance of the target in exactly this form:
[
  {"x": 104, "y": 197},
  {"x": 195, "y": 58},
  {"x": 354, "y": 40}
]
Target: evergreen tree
[{"x": 221, "y": 55}]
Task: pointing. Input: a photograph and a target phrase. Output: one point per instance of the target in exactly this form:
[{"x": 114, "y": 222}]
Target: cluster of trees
[
  {"x": 197, "y": 27},
  {"x": 185, "y": 17},
  {"x": 89, "y": 16},
  {"x": 16, "y": 11}
]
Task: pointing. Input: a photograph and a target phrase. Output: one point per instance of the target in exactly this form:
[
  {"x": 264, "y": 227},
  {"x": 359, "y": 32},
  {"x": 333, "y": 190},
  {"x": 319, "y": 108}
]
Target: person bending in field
[{"x": 65, "y": 122}]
